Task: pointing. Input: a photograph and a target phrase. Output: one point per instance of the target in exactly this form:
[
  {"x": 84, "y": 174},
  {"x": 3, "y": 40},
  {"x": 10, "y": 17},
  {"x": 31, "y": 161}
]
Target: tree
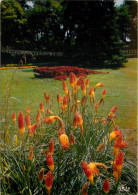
[{"x": 12, "y": 21}]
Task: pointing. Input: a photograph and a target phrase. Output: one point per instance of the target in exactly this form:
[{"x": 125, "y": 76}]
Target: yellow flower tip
[
  {"x": 21, "y": 131},
  {"x": 112, "y": 136},
  {"x": 91, "y": 179},
  {"x": 51, "y": 167},
  {"x": 115, "y": 151}
]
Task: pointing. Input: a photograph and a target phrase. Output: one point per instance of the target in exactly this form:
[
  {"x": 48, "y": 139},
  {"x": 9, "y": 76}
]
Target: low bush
[{"x": 61, "y": 72}]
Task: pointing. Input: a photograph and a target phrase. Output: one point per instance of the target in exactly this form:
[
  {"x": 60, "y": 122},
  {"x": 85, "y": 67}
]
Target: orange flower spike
[
  {"x": 94, "y": 169},
  {"x": 59, "y": 98},
  {"x": 72, "y": 140},
  {"x": 87, "y": 83},
  {"x": 38, "y": 116},
  {"x": 49, "y": 111},
  {"x": 50, "y": 161},
  {"x": 21, "y": 123},
  {"x": 28, "y": 110},
  {"x": 119, "y": 143},
  {"x": 48, "y": 99},
  {"x": 72, "y": 79},
  {"x": 64, "y": 141},
  {"x": 32, "y": 130},
  {"x": 65, "y": 88},
  {"x": 96, "y": 107},
  {"x": 41, "y": 107},
  {"x": 84, "y": 190},
  {"x": 119, "y": 162},
  {"x": 91, "y": 94},
  {"x": 87, "y": 170},
  {"x": 114, "y": 134},
  {"x": 27, "y": 121},
  {"x": 49, "y": 119},
  {"x": 83, "y": 88},
  {"x": 14, "y": 117},
  {"x": 113, "y": 110},
  {"x": 41, "y": 174},
  {"x": 115, "y": 172},
  {"x": 78, "y": 117},
  {"x": 65, "y": 102},
  {"x": 98, "y": 85},
  {"x": 49, "y": 181},
  {"x": 51, "y": 146},
  {"x": 78, "y": 83},
  {"x": 61, "y": 131},
  {"x": 106, "y": 185},
  {"x": 45, "y": 95},
  {"x": 31, "y": 154},
  {"x": 103, "y": 94}
]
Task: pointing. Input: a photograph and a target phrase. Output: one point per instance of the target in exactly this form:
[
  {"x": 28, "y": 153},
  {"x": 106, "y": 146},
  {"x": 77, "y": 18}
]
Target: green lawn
[{"x": 121, "y": 88}]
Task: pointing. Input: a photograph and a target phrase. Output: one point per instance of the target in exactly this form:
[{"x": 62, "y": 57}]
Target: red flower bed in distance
[{"x": 62, "y": 72}]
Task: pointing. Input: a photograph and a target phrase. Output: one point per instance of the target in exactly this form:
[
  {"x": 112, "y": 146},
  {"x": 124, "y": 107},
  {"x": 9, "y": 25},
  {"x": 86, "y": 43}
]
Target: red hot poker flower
[
  {"x": 65, "y": 88},
  {"x": 87, "y": 83},
  {"x": 72, "y": 78},
  {"x": 21, "y": 123},
  {"x": 14, "y": 117},
  {"x": 83, "y": 88},
  {"x": 27, "y": 121},
  {"x": 103, "y": 94},
  {"x": 59, "y": 98},
  {"x": 115, "y": 172},
  {"x": 61, "y": 131},
  {"x": 41, "y": 107},
  {"x": 72, "y": 141},
  {"x": 119, "y": 162},
  {"x": 106, "y": 185},
  {"x": 28, "y": 110},
  {"x": 64, "y": 141},
  {"x": 78, "y": 83},
  {"x": 91, "y": 94},
  {"x": 38, "y": 116},
  {"x": 119, "y": 143},
  {"x": 87, "y": 170},
  {"x": 50, "y": 161},
  {"x": 98, "y": 85},
  {"x": 49, "y": 181},
  {"x": 49, "y": 119},
  {"x": 84, "y": 190},
  {"x": 41, "y": 174},
  {"x": 51, "y": 146},
  {"x": 32, "y": 130},
  {"x": 65, "y": 102}
]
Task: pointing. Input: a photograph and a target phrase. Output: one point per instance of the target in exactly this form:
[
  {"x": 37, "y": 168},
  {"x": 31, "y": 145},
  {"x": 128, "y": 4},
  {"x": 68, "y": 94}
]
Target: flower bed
[{"x": 62, "y": 72}]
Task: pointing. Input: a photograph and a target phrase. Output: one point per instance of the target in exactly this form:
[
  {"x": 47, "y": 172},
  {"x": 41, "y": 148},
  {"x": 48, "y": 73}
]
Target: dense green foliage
[{"x": 91, "y": 32}]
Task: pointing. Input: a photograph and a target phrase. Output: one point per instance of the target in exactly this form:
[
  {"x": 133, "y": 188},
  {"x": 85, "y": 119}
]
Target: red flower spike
[
  {"x": 32, "y": 130},
  {"x": 59, "y": 98},
  {"x": 45, "y": 95},
  {"x": 65, "y": 88},
  {"x": 21, "y": 123},
  {"x": 84, "y": 190},
  {"x": 78, "y": 83},
  {"x": 28, "y": 110},
  {"x": 87, "y": 83},
  {"x": 106, "y": 185},
  {"x": 91, "y": 94},
  {"x": 72, "y": 140},
  {"x": 72, "y": 79},
  {"x": 87, "y": 170},
  {"x": 64, "y": 141},
  {"x": 14, "y": 117},
  {"x": 27, "y": 121},
  {"x": 41, "y": 174},
  {"x": 119, "y": 162},
  {"x": 96, "y": 107},
  {"x": 49, "y": 181},
  {"x": 61, "y": 131},
  {"x": 49, "y": 119},
  {"x": 65, "y": 102},
  {"x": 98, "y": 85},
  {"x": 119, "y": 143},
  {"x": 50, "y": 161},
  {"x": 38, "y": 116},
  {"x": 41, "y": 107},
  {"x": 83, "y": 88},
  {"x": 51, "y": 146},
  {"x": 115, "y": 172},
  {"x": 103, "y": 94}
]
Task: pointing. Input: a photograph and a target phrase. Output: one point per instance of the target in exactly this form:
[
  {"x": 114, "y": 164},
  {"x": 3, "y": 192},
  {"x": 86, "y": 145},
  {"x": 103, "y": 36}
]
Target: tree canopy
[{"x": 93, "y": 32}]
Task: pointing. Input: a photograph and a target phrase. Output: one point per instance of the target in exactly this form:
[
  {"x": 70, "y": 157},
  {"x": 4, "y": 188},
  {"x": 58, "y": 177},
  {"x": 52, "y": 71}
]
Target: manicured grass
[{"x": 121, "y": 85}]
